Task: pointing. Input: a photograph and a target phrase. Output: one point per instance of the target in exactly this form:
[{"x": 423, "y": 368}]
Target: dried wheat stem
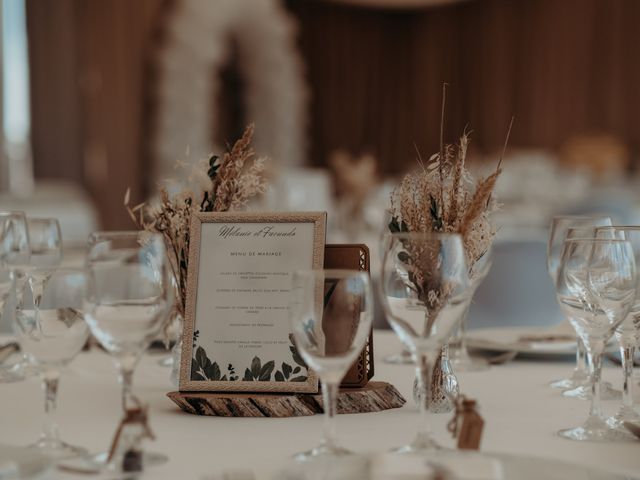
[{"x": 478, "y": 202}]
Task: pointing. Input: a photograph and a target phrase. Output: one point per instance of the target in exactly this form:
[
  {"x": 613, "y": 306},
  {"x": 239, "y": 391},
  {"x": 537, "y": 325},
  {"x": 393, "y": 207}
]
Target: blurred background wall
[{"x": 374, "y": 77}]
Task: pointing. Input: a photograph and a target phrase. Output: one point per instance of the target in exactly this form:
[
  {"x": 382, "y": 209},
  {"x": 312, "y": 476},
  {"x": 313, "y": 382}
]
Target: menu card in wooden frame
[{"x": 237, "y": 335}]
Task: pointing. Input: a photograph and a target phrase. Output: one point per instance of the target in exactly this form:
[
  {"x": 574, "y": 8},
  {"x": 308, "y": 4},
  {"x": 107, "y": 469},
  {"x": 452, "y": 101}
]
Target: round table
[{"x": 521, "y": 412}]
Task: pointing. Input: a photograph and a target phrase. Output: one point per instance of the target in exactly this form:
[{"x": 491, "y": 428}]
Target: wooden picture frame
[{"x": 212, "y": 359}]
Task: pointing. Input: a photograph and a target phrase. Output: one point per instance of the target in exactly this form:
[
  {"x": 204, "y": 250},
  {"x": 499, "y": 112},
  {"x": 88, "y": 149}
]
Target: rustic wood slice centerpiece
[{"x": 373, "y": 397}]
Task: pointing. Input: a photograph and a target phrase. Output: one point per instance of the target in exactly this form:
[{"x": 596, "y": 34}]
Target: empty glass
[
  {"x": 331, "y": 313},
  {"x": 628, "y": 332},
  {"x": 557, "y": 235},
  {"x": 14, "y": 259},
  {"x": 129, "y": 298},
  {"x": 596, "y": 289},
  {"x": 424, "y": 285},
  {"x": 52, "y": 334},
  {"x": 45, "y": 241}
]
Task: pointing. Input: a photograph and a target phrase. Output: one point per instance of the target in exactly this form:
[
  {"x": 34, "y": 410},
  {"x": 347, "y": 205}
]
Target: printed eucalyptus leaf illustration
[
  {"x": 279, "y": 377},
  {"x": 202, "y": 368},
  {"x": 296, "y": 357},
  {"x": 300, "y": 378},
  {"x": 213, "y": 372},
  {"x": 247, "y": 375},
  {"x": 265, "y": 372},
  {"x": 286, "y": 369},
  {"x": 296, "y": 370},
  {"x": 256, "y": 366}
]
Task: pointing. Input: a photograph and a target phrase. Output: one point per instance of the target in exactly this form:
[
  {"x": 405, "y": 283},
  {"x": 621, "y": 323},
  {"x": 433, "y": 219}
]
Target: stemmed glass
[
  {"x": 51, "y": 334},
  {"x": 557, "y": 234},
  {"x": 14, "y": 258},
  {"x": 129, "y": 298},
  {"x": 424, "y": 287},
  {"x": 628, "y": 332},
  {"x": 331, "y": 313},
  {"x": 45, "y": 241},
  {"x": 458, "y": 352},
  {"x": 596, "y": 289}
]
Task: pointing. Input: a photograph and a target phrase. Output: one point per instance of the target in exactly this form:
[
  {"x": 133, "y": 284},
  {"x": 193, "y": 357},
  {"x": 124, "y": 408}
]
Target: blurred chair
[{"x": 518, "y": 290}]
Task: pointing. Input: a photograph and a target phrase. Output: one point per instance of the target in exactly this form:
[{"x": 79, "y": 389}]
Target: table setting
[{"x": 272, "y": 367}]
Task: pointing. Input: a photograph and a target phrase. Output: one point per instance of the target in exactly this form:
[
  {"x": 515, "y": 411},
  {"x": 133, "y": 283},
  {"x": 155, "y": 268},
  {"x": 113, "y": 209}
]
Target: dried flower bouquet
[{"x": 215, "y": 185}]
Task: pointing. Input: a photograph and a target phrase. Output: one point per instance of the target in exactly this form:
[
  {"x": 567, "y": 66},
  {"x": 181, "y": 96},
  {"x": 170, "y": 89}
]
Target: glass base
[
  {"x": 401, "y": 358},
  {"x": 97, "y": 466},
  {"x": 149, "y": 459},
  {"x": 422, "y": 444},
  {"x": 10, "y": 375},
  {"x": 57, "y": 449},
  {"x": 625, "y": 414},
  {"x": 595, "y": 430},
  {"x": 575, "y": 381},
  {"x": 583, "y": 392},
  {"x": 322, "y": 451}
]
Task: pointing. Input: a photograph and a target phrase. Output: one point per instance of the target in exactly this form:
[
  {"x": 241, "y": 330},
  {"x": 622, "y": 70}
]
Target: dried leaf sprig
[{"x": 214, "y": 185}]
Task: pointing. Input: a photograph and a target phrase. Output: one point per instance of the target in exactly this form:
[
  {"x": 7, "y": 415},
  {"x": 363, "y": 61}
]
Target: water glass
[
  {"x": 557, "y": 235},
  {"x": 51, "y": 334},
  {"x": 331, "y": 312},
  {"x": 424, "y": 286},
  {"x": 596, "y": 289}
]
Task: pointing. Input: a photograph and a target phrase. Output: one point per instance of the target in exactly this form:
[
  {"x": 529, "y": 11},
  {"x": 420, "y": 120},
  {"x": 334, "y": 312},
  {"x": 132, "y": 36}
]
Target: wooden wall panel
[{"x": 562, "y": 67}]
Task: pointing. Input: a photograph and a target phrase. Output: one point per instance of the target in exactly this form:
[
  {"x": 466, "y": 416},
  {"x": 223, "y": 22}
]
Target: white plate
[
  {"x": 22, "y": 463},
  {"x": 514, "y": 339},
  {"x": 458, "y": 464},
  {"x": 520, "y": 467}
]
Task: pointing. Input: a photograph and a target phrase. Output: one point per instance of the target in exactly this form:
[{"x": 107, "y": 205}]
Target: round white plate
[
  {"x": 541, "y": 341},
  {"x": 22, "y": 462},
  {"x": 460, "y": 465},
  {"x": 514, "y": 339}
]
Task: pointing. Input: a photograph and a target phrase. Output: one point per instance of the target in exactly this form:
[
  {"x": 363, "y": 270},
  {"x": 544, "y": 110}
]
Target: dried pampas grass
[
  {"x": 214, "y": 185},
  {"x": 442, "y": 196}
]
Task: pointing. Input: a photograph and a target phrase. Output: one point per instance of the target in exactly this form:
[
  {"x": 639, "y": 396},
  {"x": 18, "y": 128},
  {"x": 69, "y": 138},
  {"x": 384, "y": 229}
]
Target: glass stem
[
  {"x": 423, "y": 374},
  {"x": 595, "y": 358},
  {"x": 50, "y": 385},
  {"x": 37, "y": 289},
  {"x": 329, "y": 402},
  {"x": 626, "y": 354},
  {"x": 581, "y": 370},
  {"x": 126, "y": 366}
]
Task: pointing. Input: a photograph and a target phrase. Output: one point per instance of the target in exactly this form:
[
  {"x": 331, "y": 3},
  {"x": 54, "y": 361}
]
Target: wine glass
[
  {"x": 628, "y": 332},
  {"x": 45, "y": 241},
  {"x": 425, "y": 286},
  {"x": 596, "y": 289},
  {"x": 458, "y": 352},
  {"x": 331, "y": 313},
  {"x": 583, "y": 391},
  {"x": 128, "y": 301},
  {"x": 560, "y": 225},
  {"x": 14, "y": 258},
  {"x": 51, "y": 334}
]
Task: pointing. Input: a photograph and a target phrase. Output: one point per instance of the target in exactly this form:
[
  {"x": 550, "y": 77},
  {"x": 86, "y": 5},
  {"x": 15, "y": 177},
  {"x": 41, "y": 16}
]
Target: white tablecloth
[{"x": 522, "y": 416}]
